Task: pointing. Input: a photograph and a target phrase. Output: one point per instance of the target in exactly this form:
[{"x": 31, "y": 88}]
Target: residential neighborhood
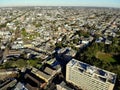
[{"x": 50, "y": 48}]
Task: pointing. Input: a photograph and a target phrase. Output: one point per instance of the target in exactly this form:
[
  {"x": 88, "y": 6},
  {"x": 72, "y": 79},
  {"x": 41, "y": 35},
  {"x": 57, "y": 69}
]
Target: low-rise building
[
  {"x": 46, "y": 73},
  {"x": 63, "y": 86}
]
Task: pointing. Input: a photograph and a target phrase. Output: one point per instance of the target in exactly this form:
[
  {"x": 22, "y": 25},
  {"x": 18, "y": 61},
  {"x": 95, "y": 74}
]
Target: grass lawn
[
  {"x": 19, "y": 63},
  {"x": 104, "y": 56}
]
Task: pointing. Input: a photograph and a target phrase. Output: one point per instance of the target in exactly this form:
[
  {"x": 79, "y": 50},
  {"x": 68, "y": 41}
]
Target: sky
[{"x": 98, "y": 3}]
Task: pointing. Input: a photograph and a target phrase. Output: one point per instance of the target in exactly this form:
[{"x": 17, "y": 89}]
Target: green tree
[
  {"x": 23, "y": 32},
  {"x": 7, "y": 65}
]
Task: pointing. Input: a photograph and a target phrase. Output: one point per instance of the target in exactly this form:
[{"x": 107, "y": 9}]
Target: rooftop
[
  {"x": 45, "y": 74},
  {"x": 63, "y": 86}
]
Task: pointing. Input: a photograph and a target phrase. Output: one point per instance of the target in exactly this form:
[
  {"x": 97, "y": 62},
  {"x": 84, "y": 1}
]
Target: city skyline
[{"x": 101, "y": 3}]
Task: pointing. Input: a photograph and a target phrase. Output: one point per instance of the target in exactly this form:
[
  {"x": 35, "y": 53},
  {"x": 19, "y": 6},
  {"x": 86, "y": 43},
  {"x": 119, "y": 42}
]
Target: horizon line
[{"x": 56, "y": 6}]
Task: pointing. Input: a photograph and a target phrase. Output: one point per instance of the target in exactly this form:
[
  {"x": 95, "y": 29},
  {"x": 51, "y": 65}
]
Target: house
[
  {"x": 17, "y": 46},
  {"x": 13, "y": 53},
  {"x": 108, "y": 41},
  {"x": 27, "y": 45},
  {"x": 2, "y": 47}
]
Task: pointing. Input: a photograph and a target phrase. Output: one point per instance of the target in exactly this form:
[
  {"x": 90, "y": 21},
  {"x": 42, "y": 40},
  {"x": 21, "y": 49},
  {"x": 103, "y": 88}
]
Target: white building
[{"x": 89, "y": 77}]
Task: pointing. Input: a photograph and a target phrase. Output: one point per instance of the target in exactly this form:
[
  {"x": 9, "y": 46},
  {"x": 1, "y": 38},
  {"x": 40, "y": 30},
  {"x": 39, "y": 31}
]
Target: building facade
[{"x": 89, "y": 77}]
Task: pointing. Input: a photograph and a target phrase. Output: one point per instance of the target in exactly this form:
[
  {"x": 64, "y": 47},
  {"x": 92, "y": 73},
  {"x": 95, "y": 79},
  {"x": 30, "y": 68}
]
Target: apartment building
[{"x": 89, "y": 77}]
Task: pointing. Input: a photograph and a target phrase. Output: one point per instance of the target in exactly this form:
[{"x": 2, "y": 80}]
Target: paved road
[{"x": 109, "y": 24}]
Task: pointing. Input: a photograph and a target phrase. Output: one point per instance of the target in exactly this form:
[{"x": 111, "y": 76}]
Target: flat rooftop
[
  {"x": 95, "y": 72},
  {"x": 45, "y": 74}
]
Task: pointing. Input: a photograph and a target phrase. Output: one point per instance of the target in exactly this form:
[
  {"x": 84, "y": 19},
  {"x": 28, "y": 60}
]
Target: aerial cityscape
[{"x": 59, "y": 45}]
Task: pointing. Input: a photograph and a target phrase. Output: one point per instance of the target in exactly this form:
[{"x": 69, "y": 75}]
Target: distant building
[
  {"x": 89, "y": 77},
  {"x": 13, "y": 53}
]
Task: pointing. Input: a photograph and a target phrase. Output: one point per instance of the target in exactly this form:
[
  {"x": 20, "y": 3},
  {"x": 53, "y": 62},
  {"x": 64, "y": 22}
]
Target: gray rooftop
[{"x": 46, "y": 74}]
